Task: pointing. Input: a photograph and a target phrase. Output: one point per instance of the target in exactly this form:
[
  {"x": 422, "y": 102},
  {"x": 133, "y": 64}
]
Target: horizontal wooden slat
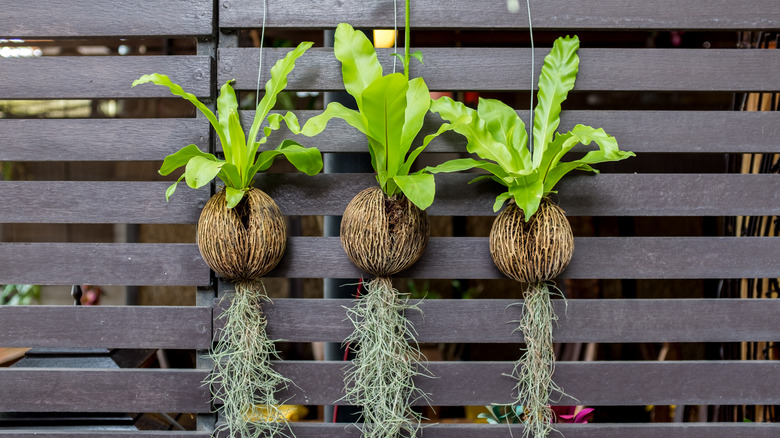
[
  {"x": 99, "y": 139},
  {"x": 97, "y": 77},
  {"x": 103, "y": 263},
  {"x": 616, "y": 257},
  {"x": 99, "y": 202},
  {"x": 591, "y": 383},
  {"x": 546, "y": 15},
  {"x": 474, "y": 69},
  {"x": 298, "y": 194},
  {"x": 638, "y": 131},
  {"x": 92, "y": 390},
  {"x": 580, "y": 194},
  {"x": 78, "y": 433},
  {"x": 491, "y": 321},
  {"x": 92, "y": 18},
  {"x": 106, "y": 326},
  {"x": 598, "y": 430}
]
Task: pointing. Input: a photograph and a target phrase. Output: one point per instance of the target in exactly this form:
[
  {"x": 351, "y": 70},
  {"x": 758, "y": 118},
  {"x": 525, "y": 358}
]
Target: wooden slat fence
[{"x": 657, "y": 136}]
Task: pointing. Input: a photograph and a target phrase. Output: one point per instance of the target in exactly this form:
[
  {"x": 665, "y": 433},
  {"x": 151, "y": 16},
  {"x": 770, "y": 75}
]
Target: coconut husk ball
[
  {"x": 534, "y": 251},
  {"x": 382, "y": 235},
  {"x": 244, "y": 242}
]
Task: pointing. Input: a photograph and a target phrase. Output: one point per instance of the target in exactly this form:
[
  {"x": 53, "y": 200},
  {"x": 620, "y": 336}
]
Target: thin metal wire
[
  {"x": 533, "y": 66},
  {"x": 260, "y": 64}
]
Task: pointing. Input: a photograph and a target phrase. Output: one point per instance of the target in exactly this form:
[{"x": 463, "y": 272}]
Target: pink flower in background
[{"x": 570, "y": 414}]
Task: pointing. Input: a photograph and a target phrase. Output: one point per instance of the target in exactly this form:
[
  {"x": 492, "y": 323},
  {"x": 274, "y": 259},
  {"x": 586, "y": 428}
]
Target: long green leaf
[
  {"x": 227, "y": 103},
  {"x": 461, "y": 164},
  {"x": 181, "y": 157},
  {"x": 200, "y": 171},
  {"x": 406, "y": 167},
  {"x": 307, "y": 160},
  {"x": 274, "y": 86},
  {"x": 418, "y": 101},
  {"x": 176, "y": 90},
  {"x": 502, "y": 123},
  {"x": 359, "y": 64},
  {"x": 230, "y": 176},
  {"x": 527, "y": 193},
  {"x": 384, "y": 104},
  {"x": 419, "y": 188},
  {"x": 239, "y": 152},
  {"x": 317, "y": 124},
  {"x": 556, "y": 80}
]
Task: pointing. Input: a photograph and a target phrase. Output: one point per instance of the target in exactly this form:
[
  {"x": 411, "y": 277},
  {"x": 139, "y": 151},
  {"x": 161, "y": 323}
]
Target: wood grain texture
[
  {"x": 329, "y": 194},
  {"x": 99, "y": 202},
  {"x": 638, "y": 131},
  {"x": 602, "y": 430},
  {"x": 78, "y": 433},
  {"x": 547, "y": 15},
  {"x": 93, "y": 390},
  {"x": 99, "y": 139},
  {"x": 106, "y": 327},
  {"x": 605, "y": 258},
  {"x": 465, "y": 257},
  {"x": 103, "y": 263},
  {"x": 591, "y": 383},
  {"x": 491, "y": 321},
  {"x": 97, "y": 77},
  {"x": 580, "y": 194},
  {"x": 482, "y": 69},
  {"x": 95, "y": 18}
]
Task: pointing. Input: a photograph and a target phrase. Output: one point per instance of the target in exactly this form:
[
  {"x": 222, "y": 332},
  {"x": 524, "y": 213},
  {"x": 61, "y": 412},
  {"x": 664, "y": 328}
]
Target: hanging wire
[
  {"x": 260, "y": 63},
  {"x": 533, "y": 66}
]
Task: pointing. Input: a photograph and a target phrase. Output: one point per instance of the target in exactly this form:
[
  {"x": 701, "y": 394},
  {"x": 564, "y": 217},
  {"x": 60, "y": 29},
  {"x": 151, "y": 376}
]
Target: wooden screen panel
[
  {"x": 100, "y": 77},
  {"x": 106, "y": 327},
  {"x": 490, "y": 321},
  {"x": 139, "y": 202},
  {"x": 93, "y": 390},
  {"x": 708, "y": 132},
  {"x": 605, "y": 258},
  {"x": 329, "y": 194},
  {"x": 107, "y": 18},
  {"x": 495, "y": 69},
  {"x": 41, "y": 433},
  {"x": 546, "y": 14},
  {"x": 140, "y": 264},
  {"x": 86, "y": 139},
  {"x": 591, "y": 383}
]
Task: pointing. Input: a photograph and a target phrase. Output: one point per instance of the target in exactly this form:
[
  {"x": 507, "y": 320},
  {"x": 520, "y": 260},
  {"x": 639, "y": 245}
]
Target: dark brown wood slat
[
  {"x": 96, "y": 77},
  {"x": 638, "y": 131},
  {"x": 616, "y": 257},
  {"x": 44, "y": 433},
  {"x": 490, "y": 321},
  {"x": 106, "y": 327},
  {"x": 103, "y": 263},
  {"x": 99, "y": 202},
  {"x": 91, "y": 390},
  {"x": 580, "y": 194},
  {"x": 603, "y": 430},
  {"x": 473, "y": 69},
  {"x": 546, "y": 15},
  {"x": 592, "y": 383},
  {"x": 99, "y": 139},
  {"x": 93, "y": 18}
]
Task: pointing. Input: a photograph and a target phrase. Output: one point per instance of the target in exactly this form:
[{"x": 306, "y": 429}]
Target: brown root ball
[
  {"x": 382, "y": 235},
  {"x": 244, "y": 242},
  {"x": 534, "y": 251}
]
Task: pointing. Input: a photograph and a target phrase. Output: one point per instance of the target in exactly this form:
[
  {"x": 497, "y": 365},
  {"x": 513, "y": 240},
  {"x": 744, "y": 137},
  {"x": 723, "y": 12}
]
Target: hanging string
[
  {"x": 260, "y": 64},
  {"x": 395, "y": 33},
  {"x": 533, "y": 67}
]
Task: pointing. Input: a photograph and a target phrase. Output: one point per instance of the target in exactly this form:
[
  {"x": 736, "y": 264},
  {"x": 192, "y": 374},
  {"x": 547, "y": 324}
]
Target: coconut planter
[
  {"x": 382, "y": 235},
  {"x": 534, "y": 251},
  {"x": 244, "y": 242}
]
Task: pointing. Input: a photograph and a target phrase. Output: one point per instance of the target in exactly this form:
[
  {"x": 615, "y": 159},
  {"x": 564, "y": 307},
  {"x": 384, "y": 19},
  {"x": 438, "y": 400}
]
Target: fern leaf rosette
[
  {"x": 242, "y": 236},
  {"x": 531, "y": 240},
  {"x": 384, "y": 229}
]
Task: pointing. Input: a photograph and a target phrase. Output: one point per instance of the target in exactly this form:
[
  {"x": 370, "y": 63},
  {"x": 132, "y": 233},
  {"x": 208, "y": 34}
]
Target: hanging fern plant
[
  {"x": 530, "y": 240},
  {"x": 242, "y": 236}
]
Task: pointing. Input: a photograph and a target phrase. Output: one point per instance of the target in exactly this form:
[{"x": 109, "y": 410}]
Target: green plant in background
[
  {"x": 503, "y": 414},
  {"x": 242, "y": 162},
  {"x": 531, "y": 240},
  {"x": 391, "y": 110},
  {"x": 20, "y": 294}
]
